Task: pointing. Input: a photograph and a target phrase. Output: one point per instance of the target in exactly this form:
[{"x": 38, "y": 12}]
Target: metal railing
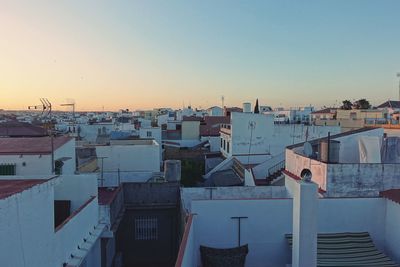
[{"x": 276, "y": 168}]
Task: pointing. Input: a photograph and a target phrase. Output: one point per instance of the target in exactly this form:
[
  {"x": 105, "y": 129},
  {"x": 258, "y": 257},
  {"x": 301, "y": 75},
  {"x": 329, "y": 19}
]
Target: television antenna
[
  {"x": 73, "y": 110},
  {"x": 46, "y": 108},
  {"x": 222, "y": 101}
]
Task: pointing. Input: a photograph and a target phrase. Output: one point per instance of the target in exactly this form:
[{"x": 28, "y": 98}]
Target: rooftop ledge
[{"x": 76, "y": 212}]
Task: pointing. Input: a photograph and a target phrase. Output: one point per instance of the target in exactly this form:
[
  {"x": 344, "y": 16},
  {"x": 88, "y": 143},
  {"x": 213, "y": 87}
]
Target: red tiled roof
[
  {"x": 106, "y": 195},
  {"x": 11, "y": 187},
  {"x": 30, "y": 145},
  {"x": 21, "y": 129},
  {"x": 392, "y": 194},
  {"x": 211, "y": 125}
]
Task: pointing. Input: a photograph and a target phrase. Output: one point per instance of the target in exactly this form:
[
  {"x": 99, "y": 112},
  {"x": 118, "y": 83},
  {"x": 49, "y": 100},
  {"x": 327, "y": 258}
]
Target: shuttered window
[{"x": 8, "y": 169}]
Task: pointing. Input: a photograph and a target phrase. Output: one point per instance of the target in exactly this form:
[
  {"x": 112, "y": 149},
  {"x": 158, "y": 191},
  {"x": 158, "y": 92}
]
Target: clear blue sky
[{"x": 142, "y": 54}]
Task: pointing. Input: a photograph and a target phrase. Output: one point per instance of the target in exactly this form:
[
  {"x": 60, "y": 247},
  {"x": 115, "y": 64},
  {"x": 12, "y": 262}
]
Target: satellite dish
[{"x": 307, "y": 149}]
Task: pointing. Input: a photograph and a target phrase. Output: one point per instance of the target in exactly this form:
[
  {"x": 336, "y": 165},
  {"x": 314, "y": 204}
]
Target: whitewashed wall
[
  {"x": 67, "y": 150},
  {"x": 34, "y": 164},
  {"x": 392, "y": 233},
  {"x": 269, "y": 220},
  {"x": 71, "y": 235},
  {"x": 27, "y": 228},
  {"x": 264, "y": 230},
  {"x": 41, "y": 164},
  {"x": 130, "y": 158},
  {"x": 77, "y": 188}
]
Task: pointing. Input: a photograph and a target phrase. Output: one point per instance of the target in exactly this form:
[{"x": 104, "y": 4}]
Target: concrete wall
[
  {"x": 27, "y": 228},
  {"x": 34, "y": 164},
  {"x": 295, "y": 163},
  {"x": 41, "y": 164},
  {"x": 392, "y": 234},
  {"x": 155, "y": 133},
  {"x": 242, "y": 132},
  {"x": 77, "y": 188},
  {"x": 269, "y": 220},
  {"x": 68, "y": 151},
  {"x": 71, "y": 234},
  {"x": 191, "y": 252},
  {"x": 264, "y": 230},
  {"x": 189, "y": 194},
  {"x": 215, "y": 142},
  {"x": 366, "y": 179},
  {"x": 190, "y": 130},
  {"x": 130, "y": 158}
]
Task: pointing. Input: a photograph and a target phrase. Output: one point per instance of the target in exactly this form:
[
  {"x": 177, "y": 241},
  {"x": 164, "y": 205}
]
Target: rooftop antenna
[
  {"x": 398, "y": 76},
  {"x": 222, "y": 100},
  {"x": 46, "y": 114},
  {"x": 73, "y": 109}
]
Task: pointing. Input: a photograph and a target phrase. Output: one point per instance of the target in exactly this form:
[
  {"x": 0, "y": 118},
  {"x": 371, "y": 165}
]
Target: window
[
  {"x": 227, "y": 147},
  {"x": 221, "y": 142},
  {"x": 224, "y": 145},
  {"x": 58, "y": 164},
  {"x": 146, "y": 228},
  {"x": 8, "y": 169}
]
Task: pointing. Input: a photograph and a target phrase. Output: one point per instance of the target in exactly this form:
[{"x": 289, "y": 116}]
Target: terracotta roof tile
[
  {"x": 11, "y": 187},
  {"x": 392, "y": 194},
  {"x": 30, "y": 145}
]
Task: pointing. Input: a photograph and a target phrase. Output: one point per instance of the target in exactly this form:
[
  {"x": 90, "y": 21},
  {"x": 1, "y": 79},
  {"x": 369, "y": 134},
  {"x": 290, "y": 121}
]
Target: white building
[
  {"x": 284, "y": 225},
  {"x": 267, "y": 139},
  {"x": 360, "y": 164},
  {"x": 33, "y": 155},
  {"x": 128, "y": 161},
  {"x": 49, "y": 222},
  {"x": 152, "y": 133},
  {"x": 215, "y": 111}
]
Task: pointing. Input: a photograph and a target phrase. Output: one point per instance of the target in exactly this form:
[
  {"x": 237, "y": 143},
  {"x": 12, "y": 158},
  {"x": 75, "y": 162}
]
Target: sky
[{"x": 146, "y": 54}]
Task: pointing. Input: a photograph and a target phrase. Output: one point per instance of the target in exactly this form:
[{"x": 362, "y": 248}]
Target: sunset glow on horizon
[{"x": 146, "y": 54}]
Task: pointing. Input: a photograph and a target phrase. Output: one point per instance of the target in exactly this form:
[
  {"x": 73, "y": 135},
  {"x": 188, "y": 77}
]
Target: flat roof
[
  {"x": 11, "y": 187},
  {"x": 30, "y": 145}
]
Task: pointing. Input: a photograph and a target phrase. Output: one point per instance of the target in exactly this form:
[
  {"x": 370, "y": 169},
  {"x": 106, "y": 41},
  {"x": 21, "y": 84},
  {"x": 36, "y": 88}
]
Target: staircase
[{"x": 274, "y": 172}]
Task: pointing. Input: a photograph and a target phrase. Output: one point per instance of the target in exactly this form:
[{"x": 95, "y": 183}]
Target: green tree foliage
[
  {"x": 362, "y": 104},
  {"x": 347, "y": 105},
  {"x": 192, "y": 172}
]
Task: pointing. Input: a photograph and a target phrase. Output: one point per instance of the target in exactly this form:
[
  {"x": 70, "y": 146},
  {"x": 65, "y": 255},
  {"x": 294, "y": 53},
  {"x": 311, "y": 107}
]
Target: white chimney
[{"x": 305, "y": 226}]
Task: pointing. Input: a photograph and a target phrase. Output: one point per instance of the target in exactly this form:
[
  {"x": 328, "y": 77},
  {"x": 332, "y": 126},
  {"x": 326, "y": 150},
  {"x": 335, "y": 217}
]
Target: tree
[
  {"x": 347, "y": 105},
  {"x": 362, "y": 104},
  {"x": 256, "y": 108}
]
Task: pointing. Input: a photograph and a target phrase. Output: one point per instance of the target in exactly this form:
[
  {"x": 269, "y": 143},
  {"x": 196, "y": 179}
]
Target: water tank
[
  {"x": 172, "y": 170},
  {"x": 334, "y": 147},
  {"x": 247, "y": 107}
]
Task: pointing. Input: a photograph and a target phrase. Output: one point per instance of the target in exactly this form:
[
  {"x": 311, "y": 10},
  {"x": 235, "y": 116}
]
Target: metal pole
[
  {"x": 102, "y": 161},
  {"x": 211, "y": 190},
  {"x": 52, "y": 152},
  {"x": 239, "y": 218},
  {"x": 329, "y": 144}
]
